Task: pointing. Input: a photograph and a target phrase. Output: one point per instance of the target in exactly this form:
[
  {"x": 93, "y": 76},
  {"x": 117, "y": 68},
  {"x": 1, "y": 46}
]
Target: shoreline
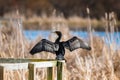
[{"x": 73, "y": 23}]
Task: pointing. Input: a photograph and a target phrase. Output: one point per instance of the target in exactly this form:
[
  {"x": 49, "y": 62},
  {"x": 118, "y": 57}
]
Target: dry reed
[{"x": 101, "y": 63}]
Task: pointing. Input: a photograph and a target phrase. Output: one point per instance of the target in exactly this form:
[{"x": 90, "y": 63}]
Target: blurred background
[
  {"x": 79, "y": 9},
  {"x": 67, "y": 7}
]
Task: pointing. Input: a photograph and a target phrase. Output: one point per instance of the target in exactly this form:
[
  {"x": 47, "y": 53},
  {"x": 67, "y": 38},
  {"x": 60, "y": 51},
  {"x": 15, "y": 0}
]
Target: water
[
  {"x": 108, "y": 38},
  {"x": 33, "y": 34}
]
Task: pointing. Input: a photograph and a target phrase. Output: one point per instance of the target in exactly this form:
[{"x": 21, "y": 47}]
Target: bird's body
[
  {"x": 61, "y": 51},
  {"x": 58, "y": 47}
]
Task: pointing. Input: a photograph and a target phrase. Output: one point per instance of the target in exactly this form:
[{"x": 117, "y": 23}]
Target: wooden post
[
  {"x": 50, "y": 73},
  {"x": 2, "y": 73},
  {"x": 32, "y": 64},
  {"x": 32, "y": 72},
  {"x": 60, "y": 72}
]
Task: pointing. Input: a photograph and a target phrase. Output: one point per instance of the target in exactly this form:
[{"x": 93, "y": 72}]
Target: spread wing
[
  {"x": 75, "y": 43},
  {"x": 44, "y": 45}
]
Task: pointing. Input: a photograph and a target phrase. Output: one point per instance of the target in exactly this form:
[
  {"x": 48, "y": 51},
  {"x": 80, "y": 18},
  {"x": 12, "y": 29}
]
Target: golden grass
[{"x": 101, "y": 63}]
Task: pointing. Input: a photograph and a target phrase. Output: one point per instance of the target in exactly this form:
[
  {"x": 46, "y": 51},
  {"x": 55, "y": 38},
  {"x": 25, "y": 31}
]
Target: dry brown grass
[{"x": 101, "y": 63}]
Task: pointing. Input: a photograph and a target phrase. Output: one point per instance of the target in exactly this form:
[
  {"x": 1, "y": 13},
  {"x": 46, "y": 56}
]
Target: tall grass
[{"x": 101, "y": 63}]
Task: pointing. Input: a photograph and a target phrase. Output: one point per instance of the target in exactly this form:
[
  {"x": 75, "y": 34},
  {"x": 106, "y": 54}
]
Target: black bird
[{"x": 58, "y": 47}]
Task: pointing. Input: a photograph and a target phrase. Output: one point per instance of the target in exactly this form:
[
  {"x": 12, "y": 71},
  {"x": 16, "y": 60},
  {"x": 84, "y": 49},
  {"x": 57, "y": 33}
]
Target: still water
[{"x": 108, "y": 38}]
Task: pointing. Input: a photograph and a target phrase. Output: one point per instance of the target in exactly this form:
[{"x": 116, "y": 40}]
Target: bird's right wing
[{"x": 44, "y": 45}]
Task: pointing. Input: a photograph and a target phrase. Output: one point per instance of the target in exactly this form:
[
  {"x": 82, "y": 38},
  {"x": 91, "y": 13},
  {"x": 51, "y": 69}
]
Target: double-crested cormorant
[{"x": 58, "y": 47}]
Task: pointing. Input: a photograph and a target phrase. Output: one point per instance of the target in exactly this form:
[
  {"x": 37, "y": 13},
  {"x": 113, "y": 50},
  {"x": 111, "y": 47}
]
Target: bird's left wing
[
  {"x": 75, "y": 43},
  {"x": 44, "y": 45}
]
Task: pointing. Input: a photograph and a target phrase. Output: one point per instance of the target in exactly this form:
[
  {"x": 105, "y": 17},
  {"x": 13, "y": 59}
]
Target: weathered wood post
[
  {"x": 32, "y": 72},
  {"x": 60, "y": 69},
  {"x": 32, "y": 64},
  {"x": 42, "y": 64},
  {"x": 50, "y": 73},
  {"x": 2, "y": 73}
]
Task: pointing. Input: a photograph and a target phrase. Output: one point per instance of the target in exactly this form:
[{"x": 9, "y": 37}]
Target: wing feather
[
  {"x": 44, "y": 45},
  {"x": 75, "y": 43}
]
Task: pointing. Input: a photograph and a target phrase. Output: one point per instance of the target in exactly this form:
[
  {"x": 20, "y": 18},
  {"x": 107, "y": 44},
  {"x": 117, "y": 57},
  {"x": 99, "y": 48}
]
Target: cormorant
[{"x": 58, "y": 47}]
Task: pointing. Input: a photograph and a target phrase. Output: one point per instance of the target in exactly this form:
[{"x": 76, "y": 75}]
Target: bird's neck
[{"x": 58, "y": 39}]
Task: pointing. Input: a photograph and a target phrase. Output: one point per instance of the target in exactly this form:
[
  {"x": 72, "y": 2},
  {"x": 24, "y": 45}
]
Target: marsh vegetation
[{"x": 101, "y": 63}]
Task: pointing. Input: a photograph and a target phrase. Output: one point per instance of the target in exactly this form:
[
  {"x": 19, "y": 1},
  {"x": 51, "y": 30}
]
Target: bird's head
[{"x": 58, "y": 33}]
